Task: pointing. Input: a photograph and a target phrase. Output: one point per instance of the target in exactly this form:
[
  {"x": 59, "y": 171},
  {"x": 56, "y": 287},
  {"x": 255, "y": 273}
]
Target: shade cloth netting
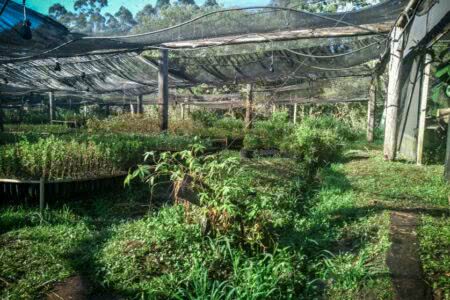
[
  {"x": 49, "y": 34},
  {"x": 123, "y": 71}
]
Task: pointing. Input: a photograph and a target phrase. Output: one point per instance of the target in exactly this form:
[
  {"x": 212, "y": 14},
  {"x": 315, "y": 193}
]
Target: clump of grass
[
  {"x": 36, "y": 253},
  {"x": 434, "y": 236}
]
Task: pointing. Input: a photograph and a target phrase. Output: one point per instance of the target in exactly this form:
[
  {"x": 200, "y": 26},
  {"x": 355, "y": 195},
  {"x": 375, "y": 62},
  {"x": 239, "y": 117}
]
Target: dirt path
[{"x": 403, "y": 258}]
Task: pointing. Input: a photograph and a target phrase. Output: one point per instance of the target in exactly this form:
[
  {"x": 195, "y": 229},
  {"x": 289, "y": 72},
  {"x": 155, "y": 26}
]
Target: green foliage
[
  {"x": 318, "y": 141},
  {"x": 268, "y": 134},
  {"x": 434, "y": 237},
  {"x": 81, "y": 156}
]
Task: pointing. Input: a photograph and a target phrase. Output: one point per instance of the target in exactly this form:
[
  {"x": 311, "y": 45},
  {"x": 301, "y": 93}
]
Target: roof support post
[
  {"x": 393, "y": 96},
  {"x": 371, "y": 110},
  {"x": 295, "y": 113},
  {"x": 51, "y": 99},
  {"x": 163, "y": 89},
  {"x": 140, "y": 107},
  {"x": 447, "y": 156},
  {"x": 423, "y": 107},
  {"x": 2, "y": 128},
  {"x": 249, "y": 107},
  {"x": 182, "y": 110}
]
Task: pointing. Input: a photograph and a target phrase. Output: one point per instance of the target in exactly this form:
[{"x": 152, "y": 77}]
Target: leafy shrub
[
  {"x": 268, "y": 134},
  {"x": 318, "y": 141},
  {"x": 204, "y": 117}
]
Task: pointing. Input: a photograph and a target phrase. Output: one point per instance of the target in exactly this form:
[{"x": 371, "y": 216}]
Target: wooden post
[
  {"x": 295, "y": 113},
  {"x": 85, "y": 109},
  {"x": 249, "y": 107},
  {"x": 163, "y": 89},
  {"x": 2, "y": 128},
  {"x": 41, "y": 194},
  {"x": 140, "y": 107},
  {"x": 371, "y": 110},
  {"x": 51, "y": 96},
  {"x": 131, "y": 108},
  {"x": 423, "y": 107},
  {"x": 447, "y": 155},
  {"x": 274, "y": 108},
  {"x": 182, "y": 110},
  {"x": 393, "y": 97}
]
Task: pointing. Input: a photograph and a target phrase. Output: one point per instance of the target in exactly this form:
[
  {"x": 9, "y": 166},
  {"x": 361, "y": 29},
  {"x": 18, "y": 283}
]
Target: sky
[{"x": 133, "y": 5}]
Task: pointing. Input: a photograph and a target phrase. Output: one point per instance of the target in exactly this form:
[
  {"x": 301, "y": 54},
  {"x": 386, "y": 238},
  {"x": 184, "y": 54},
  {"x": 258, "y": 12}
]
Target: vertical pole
[
  {"x": 163, "y": 89},
  {"x": 85, "y": 109},
  {"x": 274, "y": 108},
  {"x": 2, "y": 128},
  {"x": 51, "y": 96},
  {"x": 423, "y": 108},
  {"x": 393, "y": 96},
  {"x": 371, "y": 110},
  {"x": 182, "y": 111},
  {"x": 249, "y": 107},
  {"x": 41, "y": 194},
  {"x": 140, "y": 108},
  {"x": 131, "y": 108},
  {"x": 295, "y": 113},
  {"x": 447, "y": 155}
]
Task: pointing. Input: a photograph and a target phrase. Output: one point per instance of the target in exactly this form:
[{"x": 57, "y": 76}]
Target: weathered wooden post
[
  {"x": 163, "y": 89},
  {"x": 140, "y": 107},
  {"x": 371, "y": 110},
  {"x": 295, "y": 113},
  {"x": 423, "y": 107},
  {"x": 51, "y": 99},
  {"x": 41, "y": 194},
  {"x": 447, "y": 155},
  {"x": 393, "y": 96},
  {"x": 2, "y": 128},
  {"x": 274, "y": 108},
  {"x": 131, "y": 108},
  {"x": 182, "y": 110},
  {"x": 249, "y": 107}
]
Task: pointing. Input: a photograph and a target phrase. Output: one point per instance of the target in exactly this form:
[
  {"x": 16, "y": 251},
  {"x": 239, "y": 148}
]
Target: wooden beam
[
  {"x": 249, "y": 107},
  {"x": 51, "y": 99},
  {"x": 327, "y": 32},
  {"x": 371, "y": 110},
  {"x": 393, "y": 97},
  {"x": 163, "y": 89},
  {"x": 423, "y": 107}
]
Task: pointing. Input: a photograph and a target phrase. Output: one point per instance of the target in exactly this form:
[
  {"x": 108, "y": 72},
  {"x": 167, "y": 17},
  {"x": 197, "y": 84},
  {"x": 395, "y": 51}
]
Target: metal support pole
[
  {"x": 163, "y": 89},
  {"x": 423, "y": 108},
  {"x": 371, "y": 110},
  {"x": 393, "y": 97},
  {"x": 51, "y": 98},
  {"x": 249, "y": 107}
]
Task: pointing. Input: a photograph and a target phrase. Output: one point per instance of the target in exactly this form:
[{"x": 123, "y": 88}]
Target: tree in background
[
  {"x": 162, "y": 4},
  {"x": 210, "y": 3},
  {"x": 324, "y": 6},
  {"x": 125, "y": 18},
  {"x": 186, "y": 2},
  {"x": 147, "y": 12}
]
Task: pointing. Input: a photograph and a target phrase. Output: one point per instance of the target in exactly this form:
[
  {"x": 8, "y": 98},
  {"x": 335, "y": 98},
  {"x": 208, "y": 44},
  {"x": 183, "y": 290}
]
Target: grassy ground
[{"x": 332, "y": 245}]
